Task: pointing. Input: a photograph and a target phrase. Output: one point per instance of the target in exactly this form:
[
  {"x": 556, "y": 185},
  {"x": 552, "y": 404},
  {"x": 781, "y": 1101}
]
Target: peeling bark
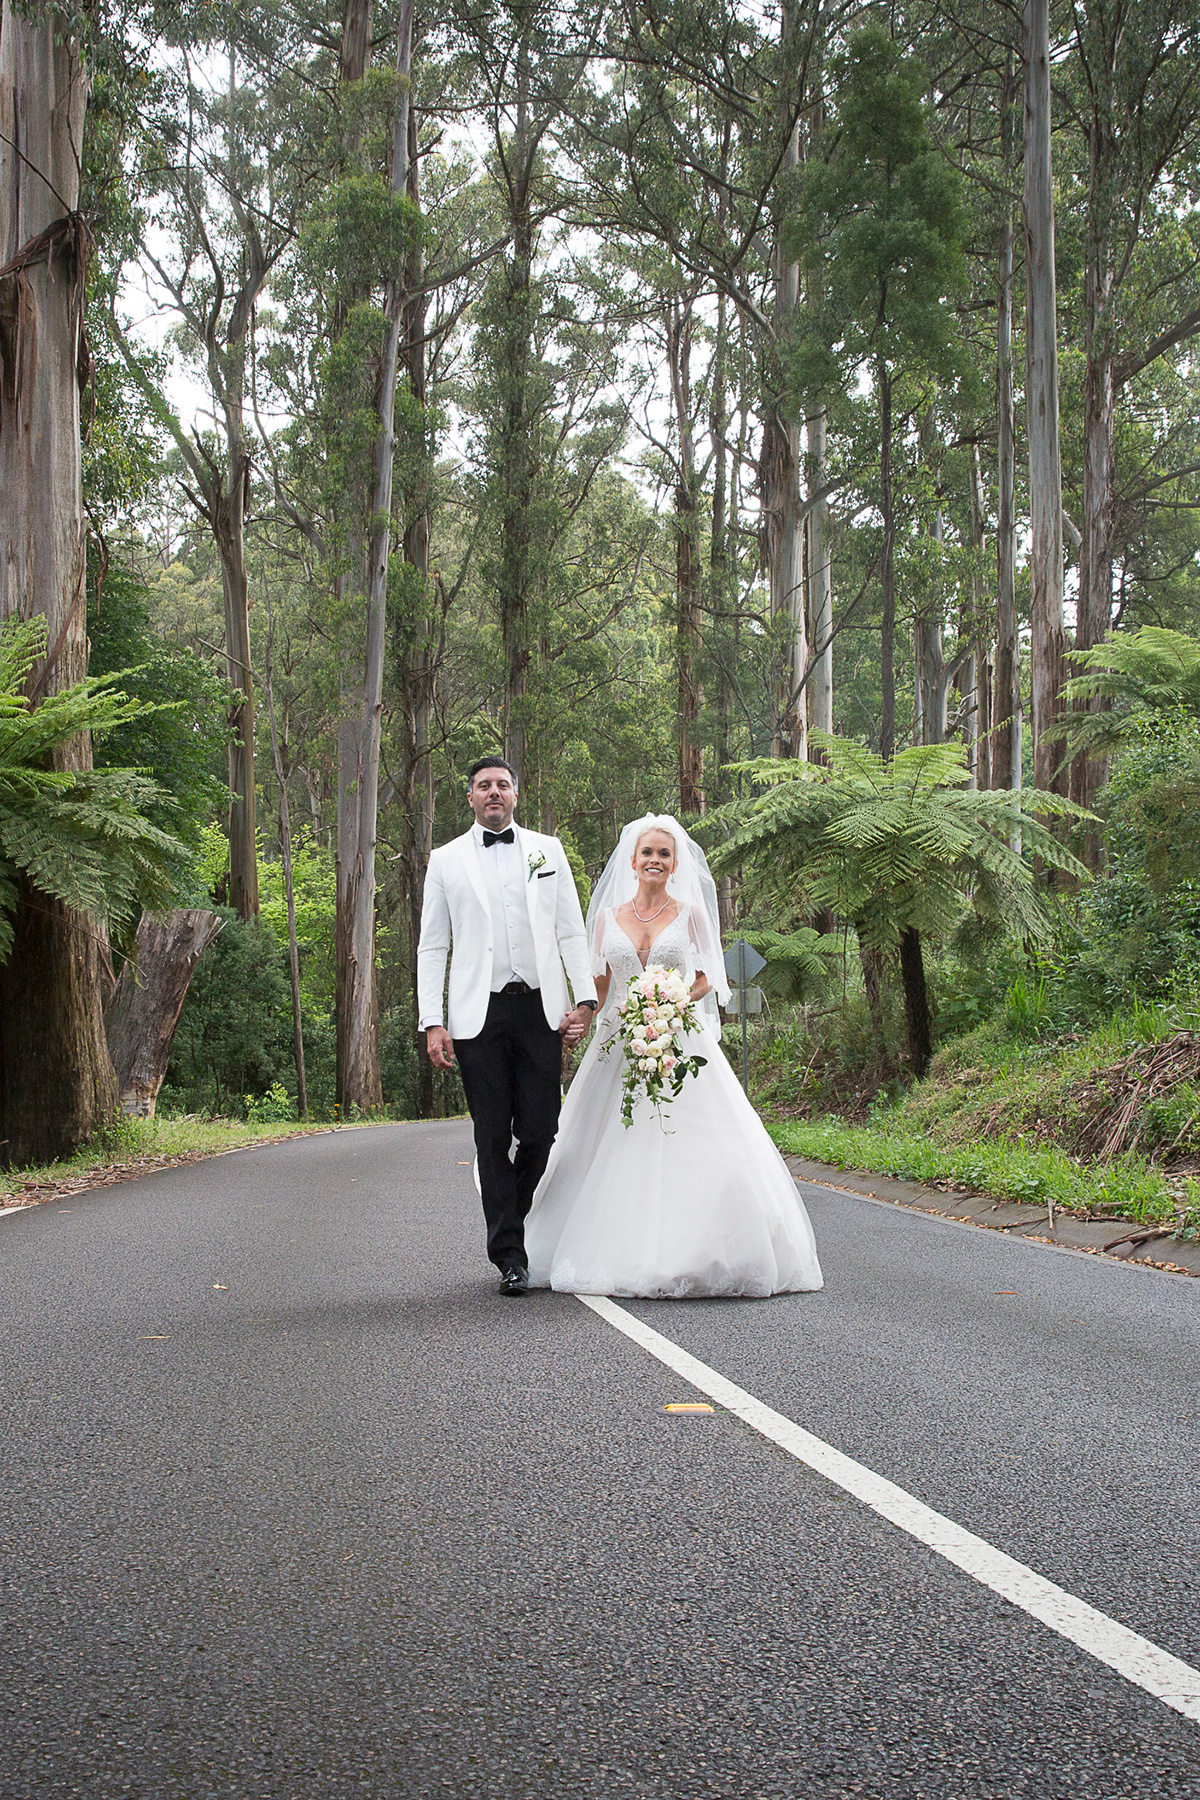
[
  {"x": 1048, "y": 642},
  {"x": 688, "y": 580},
  {"x": 358, "y": 1012},
  {"x": 56, "y": 1078},
  {"x": 140, "y": 1019},
  {"x": 1006, "y": 741}
]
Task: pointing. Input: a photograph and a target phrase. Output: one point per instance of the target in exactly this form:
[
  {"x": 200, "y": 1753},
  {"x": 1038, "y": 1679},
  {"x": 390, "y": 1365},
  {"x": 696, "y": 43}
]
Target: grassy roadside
[
  {"x": 1104, "y": 1125},
  {"x": 138, "y": 1145},
  {"x": 1031, "y": 1174}
]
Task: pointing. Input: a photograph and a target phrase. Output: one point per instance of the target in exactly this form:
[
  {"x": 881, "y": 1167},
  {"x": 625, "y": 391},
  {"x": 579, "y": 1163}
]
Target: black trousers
[{"x": 512, "y": 1077}]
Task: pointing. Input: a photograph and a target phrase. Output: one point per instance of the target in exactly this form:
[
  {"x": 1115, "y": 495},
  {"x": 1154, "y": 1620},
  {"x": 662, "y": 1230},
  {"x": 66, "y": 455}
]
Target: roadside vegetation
[
  {"x": 1066, "y": 1069},
  {"x": 136, "y": 1146},
  {"x": 1108, "y": 1126}
]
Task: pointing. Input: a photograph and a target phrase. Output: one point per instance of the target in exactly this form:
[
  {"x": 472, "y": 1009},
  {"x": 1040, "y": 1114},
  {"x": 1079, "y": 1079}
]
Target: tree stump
[{"x": 141, "y": 1017}]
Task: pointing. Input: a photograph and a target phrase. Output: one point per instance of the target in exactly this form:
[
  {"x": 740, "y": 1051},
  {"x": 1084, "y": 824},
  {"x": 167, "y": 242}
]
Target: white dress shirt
[{"x": 504, "y": 875}]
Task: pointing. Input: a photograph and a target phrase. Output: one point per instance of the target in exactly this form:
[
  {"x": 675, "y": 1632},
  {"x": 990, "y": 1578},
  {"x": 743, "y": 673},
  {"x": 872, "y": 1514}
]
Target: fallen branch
[{"x": 1137, "y": 1238}]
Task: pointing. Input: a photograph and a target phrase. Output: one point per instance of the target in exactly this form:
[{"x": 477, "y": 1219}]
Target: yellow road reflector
[
  {"x": 688, "y": 1406},
  {"x": 155, "y": 1337}
]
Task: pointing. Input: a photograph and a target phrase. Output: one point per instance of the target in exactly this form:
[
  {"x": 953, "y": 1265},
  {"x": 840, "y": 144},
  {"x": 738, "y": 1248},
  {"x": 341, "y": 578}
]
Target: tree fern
[
  {"x": 898, "y": 849},
  {"x": 1151, "y": 670},
  {"x": 81, "y": 837}
]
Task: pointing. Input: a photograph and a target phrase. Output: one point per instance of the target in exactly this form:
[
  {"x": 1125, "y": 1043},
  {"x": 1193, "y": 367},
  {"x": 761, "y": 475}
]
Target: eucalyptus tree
[
  {"x": 526, "y": 60},
  {"x": 56, "y": 1079},
  {"x": 880, "y": 210},
  {"x": 694, "y": 142},
  {"x": 360, "y": 737},
  {"x": 1047, "y": 637},
  {"x": 1130, "y": 95},
  {"x": 226, "y": 179},
  {"x": 974, "y": 49},
  {"x": 359, "y": 354}
]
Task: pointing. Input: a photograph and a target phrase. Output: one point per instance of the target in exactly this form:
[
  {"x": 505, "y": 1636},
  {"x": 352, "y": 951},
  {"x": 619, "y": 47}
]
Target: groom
[{"x": 507, "y": 899}]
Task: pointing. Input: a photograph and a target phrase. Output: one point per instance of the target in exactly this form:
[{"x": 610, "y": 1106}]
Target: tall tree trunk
[
  {"x": 781, "y": 485},
  {"x": 817, "y": 536},
  {"x": 931, "y": 678},
  {"x": 229, "y": 521},
  {"x": 225, "y": 493},
  {"x": 887, "y": 567},
  {"x": 687, "y": 559},
  {"x": 977, "y": 685},
  {"x": 417, "y": 659},
  {"x": 1094, "y": 607},
  {"x": 820, "y": 579},
  {"x": 1006, "y": 742},
  {"x": 353, "y": 62},
  {"x": 721, "y": 597},
  {"x": 289, "y": 892},
  {"x": 355, "y": 50},
  {"x": 516, "y": 447},
  {"x": 916, "y": 1001},
  {"x": 56, "y": 1077},
  {"x": 1047, "y": 641},
  {"x": 358, "y": 1022}
]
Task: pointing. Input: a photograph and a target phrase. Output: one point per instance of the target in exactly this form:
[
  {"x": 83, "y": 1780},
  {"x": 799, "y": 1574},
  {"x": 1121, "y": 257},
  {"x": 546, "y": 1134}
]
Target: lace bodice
[{"x": 674, "y": 948}]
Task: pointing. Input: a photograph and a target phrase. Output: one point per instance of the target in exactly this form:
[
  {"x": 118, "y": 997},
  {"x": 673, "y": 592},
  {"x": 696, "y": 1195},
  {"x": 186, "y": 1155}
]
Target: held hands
[
  {"x": 575, "y": 1026},
  {"x": 440, "y": 1046}
]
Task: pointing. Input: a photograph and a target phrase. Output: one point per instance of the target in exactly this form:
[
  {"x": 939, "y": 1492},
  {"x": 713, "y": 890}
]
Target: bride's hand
[
  {"x": 700, "y": 987},
  {"x": 575, "y": 1026}
]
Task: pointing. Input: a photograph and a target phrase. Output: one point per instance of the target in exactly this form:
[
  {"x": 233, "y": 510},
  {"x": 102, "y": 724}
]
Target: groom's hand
[
  {"x": 575, "y": 1026},
  {"x": 440, "y": 1046}
]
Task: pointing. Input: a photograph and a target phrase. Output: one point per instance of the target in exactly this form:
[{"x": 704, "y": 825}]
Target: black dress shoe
[{"x": 514, "y": 1282}]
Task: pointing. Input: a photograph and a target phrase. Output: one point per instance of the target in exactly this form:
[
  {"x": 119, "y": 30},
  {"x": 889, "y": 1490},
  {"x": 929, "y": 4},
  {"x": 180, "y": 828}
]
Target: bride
[{"x": 698, "y": 1201}]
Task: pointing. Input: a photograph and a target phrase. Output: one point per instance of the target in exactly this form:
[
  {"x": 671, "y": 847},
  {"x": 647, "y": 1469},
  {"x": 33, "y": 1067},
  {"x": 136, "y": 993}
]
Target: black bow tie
[{"x": 498, "y": 837}]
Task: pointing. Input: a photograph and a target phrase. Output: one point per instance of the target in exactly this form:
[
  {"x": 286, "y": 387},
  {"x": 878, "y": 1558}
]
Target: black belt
[{"x": 517, "y": 987}]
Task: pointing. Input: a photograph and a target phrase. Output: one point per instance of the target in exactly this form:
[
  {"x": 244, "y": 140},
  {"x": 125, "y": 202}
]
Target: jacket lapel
[
  {"x": 470, "y": 861},
  {"x": 526, "y": 846}
]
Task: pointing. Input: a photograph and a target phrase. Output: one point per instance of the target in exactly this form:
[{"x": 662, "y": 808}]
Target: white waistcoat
[{"x": 513, "y": 954}]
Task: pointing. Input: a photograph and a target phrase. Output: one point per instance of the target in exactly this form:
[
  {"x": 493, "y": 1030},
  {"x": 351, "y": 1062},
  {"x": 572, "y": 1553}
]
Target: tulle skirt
[{"x": 700, "y": 1203}]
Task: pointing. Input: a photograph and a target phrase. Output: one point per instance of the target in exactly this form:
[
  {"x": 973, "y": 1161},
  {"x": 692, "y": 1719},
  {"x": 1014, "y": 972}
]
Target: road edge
[{"x": 1114, "y": 1239}]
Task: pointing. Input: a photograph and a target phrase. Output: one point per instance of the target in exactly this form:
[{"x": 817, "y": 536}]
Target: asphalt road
[{"x": 293, "y": 1506}]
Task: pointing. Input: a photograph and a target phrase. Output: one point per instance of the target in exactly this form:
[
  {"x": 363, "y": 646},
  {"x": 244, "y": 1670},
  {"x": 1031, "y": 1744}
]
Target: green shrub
[
  {"x": 274, "y": 1106},
  {"x": 1027, "y": 1007},
  {"x": 235, "y": 1031}
]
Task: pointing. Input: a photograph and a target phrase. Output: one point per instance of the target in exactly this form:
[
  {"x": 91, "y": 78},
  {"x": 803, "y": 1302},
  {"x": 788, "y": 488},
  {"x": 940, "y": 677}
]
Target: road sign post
[{"x": 742, "y": 963}]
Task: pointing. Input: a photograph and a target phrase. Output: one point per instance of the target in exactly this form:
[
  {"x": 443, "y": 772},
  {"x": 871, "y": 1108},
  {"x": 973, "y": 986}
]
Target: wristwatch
[{"x": 590, "y": 1004}]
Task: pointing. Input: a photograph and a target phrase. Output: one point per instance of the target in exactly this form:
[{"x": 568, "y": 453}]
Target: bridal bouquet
[{"x": 656, "y": 1016}]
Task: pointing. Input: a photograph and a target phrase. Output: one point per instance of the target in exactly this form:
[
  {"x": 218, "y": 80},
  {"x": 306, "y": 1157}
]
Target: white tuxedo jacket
[{"x": 456, "y": 910}]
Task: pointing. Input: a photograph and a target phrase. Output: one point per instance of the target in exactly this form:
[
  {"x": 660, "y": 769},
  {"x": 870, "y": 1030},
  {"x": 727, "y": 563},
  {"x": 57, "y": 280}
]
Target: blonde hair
[{"x": 665, "y": 832}]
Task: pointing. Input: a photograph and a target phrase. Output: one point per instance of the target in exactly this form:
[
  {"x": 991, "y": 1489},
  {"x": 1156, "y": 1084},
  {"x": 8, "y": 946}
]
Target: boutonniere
[{"x": 535, "y": 863}]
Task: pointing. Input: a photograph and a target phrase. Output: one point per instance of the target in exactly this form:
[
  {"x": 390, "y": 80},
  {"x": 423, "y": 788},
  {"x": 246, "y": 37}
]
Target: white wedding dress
[{"x": 698, "y": 1203}]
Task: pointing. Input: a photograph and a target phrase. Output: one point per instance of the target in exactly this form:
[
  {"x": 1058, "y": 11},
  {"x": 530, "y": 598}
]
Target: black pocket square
[{"x": 548, "y": 874}]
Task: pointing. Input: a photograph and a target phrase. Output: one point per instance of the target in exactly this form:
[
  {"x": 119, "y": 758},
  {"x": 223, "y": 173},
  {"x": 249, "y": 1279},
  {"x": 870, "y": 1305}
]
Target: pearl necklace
[{"x": 637, "y": 915}]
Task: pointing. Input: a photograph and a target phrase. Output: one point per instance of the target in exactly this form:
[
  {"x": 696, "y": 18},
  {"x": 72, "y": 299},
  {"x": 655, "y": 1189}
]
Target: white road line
[
  {"x": 1164, "y": 1676},
  {"x": 6, "y": 1212}
]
